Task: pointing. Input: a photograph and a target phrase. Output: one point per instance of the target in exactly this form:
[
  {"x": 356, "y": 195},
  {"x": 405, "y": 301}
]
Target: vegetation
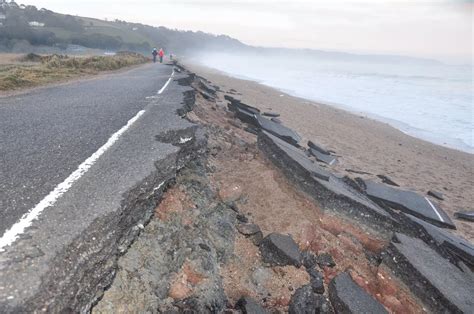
[
  {"x": 33, "y": 70},
  {"x": 42, "y": 27}
]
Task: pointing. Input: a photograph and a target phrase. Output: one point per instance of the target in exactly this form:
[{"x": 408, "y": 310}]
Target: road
[
  {"x": 46, "y": 134},
  {"x": 80, "y": 168}
]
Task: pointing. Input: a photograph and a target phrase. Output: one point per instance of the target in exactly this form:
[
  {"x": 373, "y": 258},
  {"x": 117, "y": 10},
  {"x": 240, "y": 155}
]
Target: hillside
[{"x": 24, "y": 26}]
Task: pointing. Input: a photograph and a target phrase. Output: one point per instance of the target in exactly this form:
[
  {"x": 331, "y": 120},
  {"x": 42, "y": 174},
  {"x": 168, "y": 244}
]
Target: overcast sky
[{"x": 439, "y": 29}]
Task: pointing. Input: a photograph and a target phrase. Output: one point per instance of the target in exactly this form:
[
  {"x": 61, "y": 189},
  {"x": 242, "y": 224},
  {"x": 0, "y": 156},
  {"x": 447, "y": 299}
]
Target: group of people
[{"x": 156, "y": 53}]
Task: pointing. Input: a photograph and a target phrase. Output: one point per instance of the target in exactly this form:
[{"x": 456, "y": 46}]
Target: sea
[{"x": 423, "y": 98}]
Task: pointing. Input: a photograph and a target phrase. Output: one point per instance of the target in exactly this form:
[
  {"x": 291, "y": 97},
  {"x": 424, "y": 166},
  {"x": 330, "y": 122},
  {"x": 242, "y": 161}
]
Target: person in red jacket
[{"x": 161, "y": 53}]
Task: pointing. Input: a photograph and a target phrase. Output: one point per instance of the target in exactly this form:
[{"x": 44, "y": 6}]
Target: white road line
[
  {"x": 166, "y": 84},
  {"x": 434, "y": 208},
  {"x": 27, "y": 219}
]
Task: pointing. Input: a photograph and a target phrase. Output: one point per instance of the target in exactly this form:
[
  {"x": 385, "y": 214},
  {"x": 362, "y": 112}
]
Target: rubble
[
  {"x": 304, "y": 300},
  {"x": 347, "y": 297},
  {"x": 281, "y": 250}
]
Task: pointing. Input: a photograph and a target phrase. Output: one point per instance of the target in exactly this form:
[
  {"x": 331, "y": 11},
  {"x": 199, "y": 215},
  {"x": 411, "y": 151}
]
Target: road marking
[
  {"x": 434, "y": 208},
  {"x": 27, "y": 219},
  {"x": 166, "y": 84}
]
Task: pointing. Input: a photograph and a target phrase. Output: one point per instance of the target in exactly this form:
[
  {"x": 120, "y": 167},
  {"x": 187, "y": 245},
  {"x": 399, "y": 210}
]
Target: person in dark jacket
[{"x": 154, "y": 54}]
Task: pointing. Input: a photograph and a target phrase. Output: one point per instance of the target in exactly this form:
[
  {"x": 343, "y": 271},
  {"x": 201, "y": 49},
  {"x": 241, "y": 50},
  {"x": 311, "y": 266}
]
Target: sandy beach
[{"x": 366, "y": 145}]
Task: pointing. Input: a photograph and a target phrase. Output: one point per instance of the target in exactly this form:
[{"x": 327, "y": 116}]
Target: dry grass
[{"x": 18, "y": 72}]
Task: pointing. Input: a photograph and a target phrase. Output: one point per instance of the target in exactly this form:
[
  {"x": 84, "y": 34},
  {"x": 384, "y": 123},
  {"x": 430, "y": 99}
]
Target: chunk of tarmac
[
  {"x": 409, "y": 202},
  {"x": 456, "y": 246},
  {"x": 436, "y": 194},
  {"x": 443, "y": 287},
  {"x": 318, "y": 148},
  {"x": 249, "y": 306},
  {"x": 469, "y": 216},
  {"x": 299, "y": 156},
  {"x": 347, "y": 297},
  {"x": 327, "y": 159},
  {"x": 279, "y": 130},
  {"x": 271, "y": 114},
  {"x": 246, "y": 116},
  {"x": 280, "y": 250}
]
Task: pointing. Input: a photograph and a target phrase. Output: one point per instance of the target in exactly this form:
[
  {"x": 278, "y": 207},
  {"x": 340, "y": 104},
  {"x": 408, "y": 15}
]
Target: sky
[{"x": 439, "y": 29}]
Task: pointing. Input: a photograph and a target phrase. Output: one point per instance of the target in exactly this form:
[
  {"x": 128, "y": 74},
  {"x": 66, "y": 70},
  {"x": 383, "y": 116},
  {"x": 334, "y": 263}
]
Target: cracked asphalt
[
  {"x": 45, "y": 134},
  {"x": 68, "y": 255}
]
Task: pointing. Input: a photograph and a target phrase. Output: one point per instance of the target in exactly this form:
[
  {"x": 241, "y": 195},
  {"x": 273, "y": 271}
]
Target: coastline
[{"x": 366, "y": 145}]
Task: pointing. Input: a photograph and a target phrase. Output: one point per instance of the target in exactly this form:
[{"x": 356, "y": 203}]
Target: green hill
[{"x": 29, "y": 25}]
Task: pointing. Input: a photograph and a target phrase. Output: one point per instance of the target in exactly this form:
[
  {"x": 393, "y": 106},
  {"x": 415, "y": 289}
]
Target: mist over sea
[{"x": 428, "y": 100}]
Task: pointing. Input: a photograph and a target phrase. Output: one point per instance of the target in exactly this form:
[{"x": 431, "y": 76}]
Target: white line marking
[
  {"x": 434, "y": 208},
  {"x": 184, "y": 140},
  {"x": 27, "y": 219},
  {"x": 166, "y": 84}
]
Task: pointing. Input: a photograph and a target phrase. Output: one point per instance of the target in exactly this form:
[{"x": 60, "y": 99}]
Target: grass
[{"x": 34, "y": 70}]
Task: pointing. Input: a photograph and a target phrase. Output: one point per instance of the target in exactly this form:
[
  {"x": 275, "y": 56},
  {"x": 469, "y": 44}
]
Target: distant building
[{"x": 36, "y": 24}]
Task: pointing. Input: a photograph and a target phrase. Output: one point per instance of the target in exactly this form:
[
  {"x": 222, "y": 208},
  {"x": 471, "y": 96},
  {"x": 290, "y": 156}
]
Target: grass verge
[{"x": 34, "y": 70}]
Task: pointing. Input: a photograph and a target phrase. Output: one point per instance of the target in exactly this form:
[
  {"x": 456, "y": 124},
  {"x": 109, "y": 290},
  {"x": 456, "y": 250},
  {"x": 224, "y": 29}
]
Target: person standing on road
[
  {"x": 162, "y": 53},
  {"x": 154, "y": 53}
]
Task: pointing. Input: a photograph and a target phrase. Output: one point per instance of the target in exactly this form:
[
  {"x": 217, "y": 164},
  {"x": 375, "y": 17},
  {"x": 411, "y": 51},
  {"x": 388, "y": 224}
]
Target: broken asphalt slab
[
  {"x": 409, "y": 202},
  {"x": 347, "y": 297},
  {"x": 279, "y": 130},
  {"x": 443, "y": 287},
  {"x": 69, "y": 255},
  {"x": 318, "y": 148},
  {"x": 304, "y": 300},
  {"x": 460, "y": 248},
  {"x": 466, "y": 215},
  {"x": 280, "y": 250},
  {"x": 331, "y": 192},
  {"x": 327, "y": 159}
]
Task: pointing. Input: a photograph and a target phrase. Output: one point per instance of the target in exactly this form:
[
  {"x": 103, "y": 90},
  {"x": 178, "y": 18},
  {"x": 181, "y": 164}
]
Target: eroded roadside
[{"x": 200, "y": 251}]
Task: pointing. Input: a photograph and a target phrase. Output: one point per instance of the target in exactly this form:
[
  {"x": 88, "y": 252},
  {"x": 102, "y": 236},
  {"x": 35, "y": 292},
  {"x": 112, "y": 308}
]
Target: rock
[
  {"x": 347, "y": 297},
  {"x": 443, "y": 287},
  {"x": 387, "y": 180},
  {"x": 304, "y": 300},
  {"x": 230, "y": 194},
  {"x": 248, "y": 229},
  {"x": 318, "y": 148},
  {"x": 257, "y": 238},
  {"x": 327, "y": 159},
  {"x": 316, "y": 280},
  {"x": 276, "y": 120},
  {"x": 435, "y": 194},
  {"x": 309, "y": 259},
  {"x": 261, "y": 276},
  {"x": 280, "y": 250},
  {"x": 249, "y": 306},
  {"x": 410, "y": 202},
  {"x": 469, "y": 216},
  {"x": 271, "y": 114},
  {"x": 325, "y": 259},
  {"x": 242, "y": 218}
]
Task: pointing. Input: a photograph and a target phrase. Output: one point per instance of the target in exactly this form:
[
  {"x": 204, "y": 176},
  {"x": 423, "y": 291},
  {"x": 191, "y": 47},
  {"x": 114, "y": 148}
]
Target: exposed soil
[{"x": 236, "y": 181}]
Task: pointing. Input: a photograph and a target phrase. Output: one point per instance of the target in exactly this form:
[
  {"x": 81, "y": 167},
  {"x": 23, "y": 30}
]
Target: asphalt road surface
[
  {"x": 81, "y": 169},
  {"x": 46, "y": 134}
]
